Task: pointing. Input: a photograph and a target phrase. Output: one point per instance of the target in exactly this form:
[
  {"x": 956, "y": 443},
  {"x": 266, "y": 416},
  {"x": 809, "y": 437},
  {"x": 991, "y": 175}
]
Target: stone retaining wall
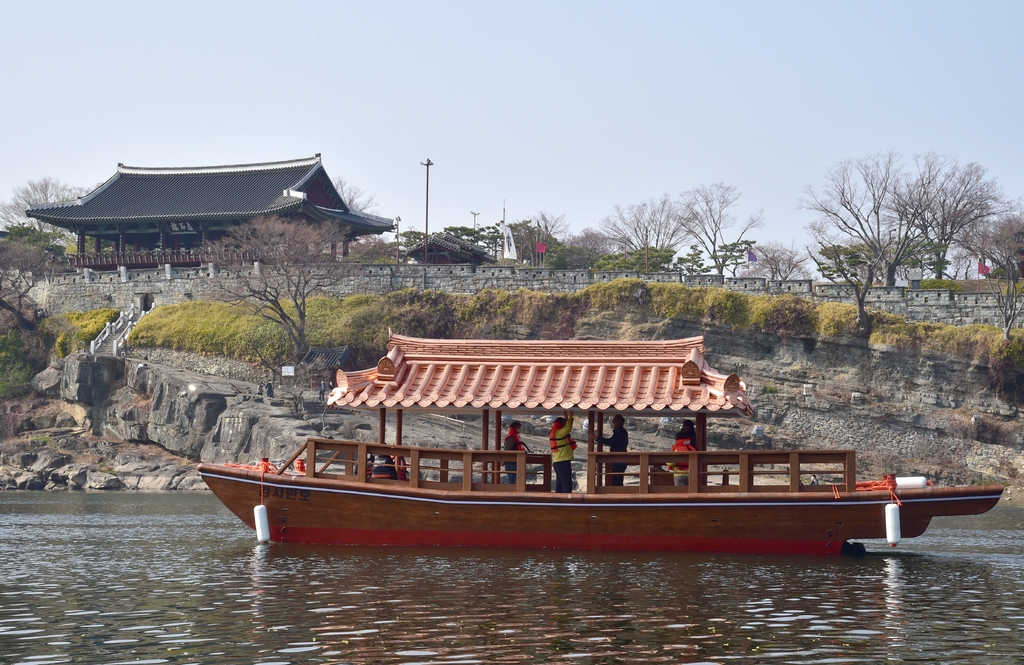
[{"x": 87, "y": 289}]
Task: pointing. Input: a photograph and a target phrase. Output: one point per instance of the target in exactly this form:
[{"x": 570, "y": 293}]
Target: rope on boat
[
  {"x": 264, "y": 467},
  {"x": 888, "y": 482}
]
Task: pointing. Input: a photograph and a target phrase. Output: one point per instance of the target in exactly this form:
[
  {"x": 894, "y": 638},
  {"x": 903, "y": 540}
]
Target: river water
[{"x": 174, "y": 578}]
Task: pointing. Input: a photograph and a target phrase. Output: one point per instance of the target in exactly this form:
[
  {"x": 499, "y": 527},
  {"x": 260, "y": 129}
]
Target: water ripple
[{"x": 168, "y": 578}]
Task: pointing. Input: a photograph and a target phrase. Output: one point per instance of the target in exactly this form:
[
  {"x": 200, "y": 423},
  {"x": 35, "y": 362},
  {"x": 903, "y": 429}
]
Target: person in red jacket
[
  {"x": 512, "y": 442},
  {"x": 686, "y": 440}
]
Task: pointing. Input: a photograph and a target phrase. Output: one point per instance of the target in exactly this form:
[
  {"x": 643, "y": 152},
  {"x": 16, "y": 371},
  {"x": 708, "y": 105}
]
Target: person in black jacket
[{"x": 617, "y": 443}]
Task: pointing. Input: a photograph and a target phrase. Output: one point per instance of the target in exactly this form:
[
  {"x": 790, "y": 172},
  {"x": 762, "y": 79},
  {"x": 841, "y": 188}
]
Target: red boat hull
[{"x": 320, "y": 511}]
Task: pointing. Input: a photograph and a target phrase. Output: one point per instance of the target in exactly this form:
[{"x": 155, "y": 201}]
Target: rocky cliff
[{"x": 903, "y": 412}]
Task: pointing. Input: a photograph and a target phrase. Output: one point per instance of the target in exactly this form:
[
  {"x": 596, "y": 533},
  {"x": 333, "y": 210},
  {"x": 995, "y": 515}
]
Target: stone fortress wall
[{"x": 86, "y": 289}]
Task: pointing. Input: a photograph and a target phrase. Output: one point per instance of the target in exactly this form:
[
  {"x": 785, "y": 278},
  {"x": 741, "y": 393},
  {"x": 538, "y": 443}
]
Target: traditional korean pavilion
[{"x": 146, "y": 216}]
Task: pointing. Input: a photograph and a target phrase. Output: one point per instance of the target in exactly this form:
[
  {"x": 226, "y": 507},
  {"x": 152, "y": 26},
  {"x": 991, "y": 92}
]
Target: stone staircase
[{"x": 111, "y": 340}]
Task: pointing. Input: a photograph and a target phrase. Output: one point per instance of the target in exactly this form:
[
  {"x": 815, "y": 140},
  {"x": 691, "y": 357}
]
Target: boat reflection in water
[{"x": 736, "y": 501}]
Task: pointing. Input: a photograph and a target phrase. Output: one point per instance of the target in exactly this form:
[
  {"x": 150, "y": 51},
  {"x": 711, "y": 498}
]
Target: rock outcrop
[{"x": 902, "y": 411}]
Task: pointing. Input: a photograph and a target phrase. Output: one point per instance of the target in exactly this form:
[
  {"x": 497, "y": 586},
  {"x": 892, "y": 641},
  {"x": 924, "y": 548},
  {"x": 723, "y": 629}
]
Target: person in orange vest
[
  {"x": 512, "y": 442},
  {"x": 562, "y": 447},
  {"x": 686, "y": 440}
]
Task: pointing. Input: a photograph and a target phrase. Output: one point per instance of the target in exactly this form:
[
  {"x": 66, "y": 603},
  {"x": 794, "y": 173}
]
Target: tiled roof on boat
[{"x": 436, "y": 374}]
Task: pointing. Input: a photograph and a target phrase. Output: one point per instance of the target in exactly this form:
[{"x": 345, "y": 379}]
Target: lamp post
[
  {"x": 398, "y": 241},
  {"x": 426, "y": 216},
  {"x": 474, "y": 218}
]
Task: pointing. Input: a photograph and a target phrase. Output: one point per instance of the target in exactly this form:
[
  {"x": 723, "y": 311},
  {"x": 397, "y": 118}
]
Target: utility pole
[
  {"x": 398, "y": 241},
  {"x": 474, "y": 218},
  {"x": 426, "y": 215}
]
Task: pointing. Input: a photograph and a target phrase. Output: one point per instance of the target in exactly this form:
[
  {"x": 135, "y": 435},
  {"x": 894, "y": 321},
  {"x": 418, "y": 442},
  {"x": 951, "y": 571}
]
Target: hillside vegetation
[{"x": 362, "y": 321}]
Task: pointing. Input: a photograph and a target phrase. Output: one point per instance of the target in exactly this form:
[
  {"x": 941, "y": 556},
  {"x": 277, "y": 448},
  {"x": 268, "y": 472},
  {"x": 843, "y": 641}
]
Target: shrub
[
  {"x": 677, "y": 301},
  {"x": 617, "y": 293},
  {"x": 949, "y": 284},
  {"x": 785, "y": 316},
  {"x": 15, "y": 368},
  {"x": 727, "y": 307},
  {"x": 214, "y": 329},
  {"x": 836, "y": 319},
  {"x": 73, "y": 331}
]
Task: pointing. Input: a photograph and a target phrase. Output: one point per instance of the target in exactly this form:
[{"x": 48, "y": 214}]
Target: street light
[
  {"x": 398, "y": 241},
  {"x": 426, "y": 215},
  {"x": 474, "y": 218}
]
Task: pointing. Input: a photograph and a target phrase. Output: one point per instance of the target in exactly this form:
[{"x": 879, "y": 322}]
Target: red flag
[
  {"x": 983, "y": 269},
  {"x": 541, "y": 247}
]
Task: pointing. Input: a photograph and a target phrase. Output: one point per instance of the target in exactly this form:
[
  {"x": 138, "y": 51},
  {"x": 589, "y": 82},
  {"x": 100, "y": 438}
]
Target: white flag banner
[{"x": 510, "y": 244}]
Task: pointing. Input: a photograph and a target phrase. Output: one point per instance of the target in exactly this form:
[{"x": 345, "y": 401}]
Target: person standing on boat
[
  {"x": 617, "y": 443},
  {"x": 512, "y": 442},
  {"x": 562, "y": 447},
  {"x": 686, "y": 439}
]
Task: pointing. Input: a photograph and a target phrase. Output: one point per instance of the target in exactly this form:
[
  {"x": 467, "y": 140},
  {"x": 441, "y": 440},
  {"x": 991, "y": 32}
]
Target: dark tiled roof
[
  {"x": 142, "y": 194},
  {"x": 455, "y": 247},
  {"x": 322, "y": 358}
]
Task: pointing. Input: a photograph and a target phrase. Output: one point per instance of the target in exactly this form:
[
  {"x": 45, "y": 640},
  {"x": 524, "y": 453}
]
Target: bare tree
[
  {"x": 960, "y": 198},
  {"x": 354, "y": 197},
  {"x": 1001, "y": 246},
  {"x": 297, "y": 262},
  {"x": 870, "y": 203},
  {"x": 583, "y": 249},
  {"x": 44, "y": 190},
  {"x": 21, "y": 267},
  {"x": 961, "y": 261},
  {"x": 653, "y": 224},
  {"x": 776, "y": 261},
  {"x": 705, "y": 217},
  {"x": 551, "y": 227}
]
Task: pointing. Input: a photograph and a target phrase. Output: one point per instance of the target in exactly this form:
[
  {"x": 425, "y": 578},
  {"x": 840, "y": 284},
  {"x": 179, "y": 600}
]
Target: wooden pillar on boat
[
  {"x": 702, "y": 431},
  {"x": 492, "y": 466},
  {"x": 485, "y": 429},
  {"x": 600, "y": 429},
  {"x": 383, "y": 424},
  {"x": 398, "y": 426},
  {"x": 591, "y": 444}
]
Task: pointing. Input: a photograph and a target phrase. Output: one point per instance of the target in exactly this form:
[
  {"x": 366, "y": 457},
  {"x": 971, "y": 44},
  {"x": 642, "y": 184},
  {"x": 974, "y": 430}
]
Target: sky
[{"x": 569, "y": 108}]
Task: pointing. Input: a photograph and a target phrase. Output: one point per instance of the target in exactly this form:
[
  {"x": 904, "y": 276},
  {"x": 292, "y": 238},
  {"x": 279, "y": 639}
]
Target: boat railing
[
  {"x": 708, "y": 472},
  {"x": 723, "y": 471},
  {"x": 426, "y": 468}
]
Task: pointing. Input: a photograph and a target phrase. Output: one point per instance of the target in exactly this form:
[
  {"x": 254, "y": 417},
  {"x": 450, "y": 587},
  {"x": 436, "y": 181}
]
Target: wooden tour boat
[{"x": 736, "y": 501}]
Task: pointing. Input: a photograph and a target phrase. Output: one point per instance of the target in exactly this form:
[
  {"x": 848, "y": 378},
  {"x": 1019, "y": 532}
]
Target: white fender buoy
[
  {"x": 892, "y": 524},
  {"x": 911, "y": 482},
  {"x": 263, "y": 524}
]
